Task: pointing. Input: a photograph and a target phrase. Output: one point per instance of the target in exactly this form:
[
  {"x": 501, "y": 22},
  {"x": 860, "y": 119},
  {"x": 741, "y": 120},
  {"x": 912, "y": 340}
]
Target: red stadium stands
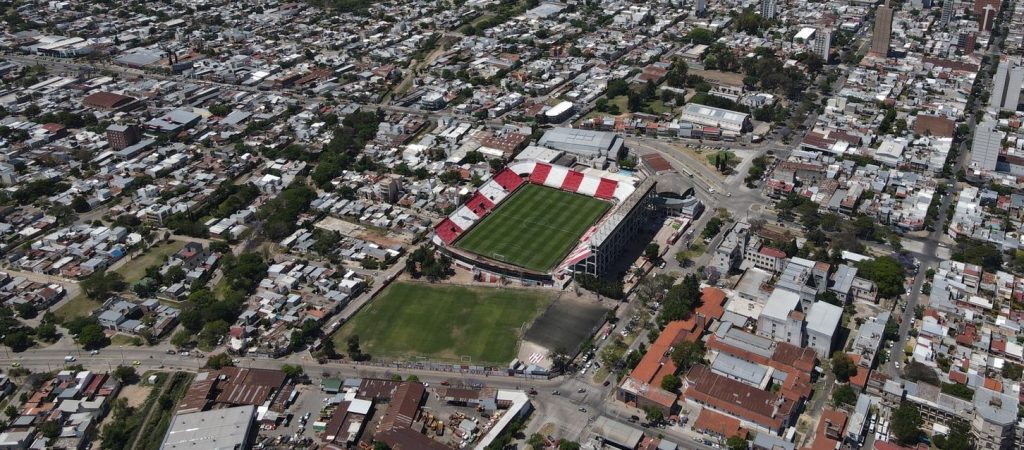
[
  {"x": 540, "y": 173},
  {"x": 572, "y": 181},
  {"x": 448, "y": 231},
  {"x": 508, "y": 180},
  {"x": 480, "y": 205},
  {"x": 606, "y": 189}
]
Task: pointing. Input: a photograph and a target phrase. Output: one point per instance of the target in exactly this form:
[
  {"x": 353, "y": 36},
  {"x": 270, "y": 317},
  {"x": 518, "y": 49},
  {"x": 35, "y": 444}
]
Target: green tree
[
  {"x": 292, "y": 370},
  {"x": 47, "y": 332},
  {"x": 181, "y": 339},
  {"x": 651, "y": 252},
  {"x": 886, "y": 273},
  {"x": 671, "y": 383},
  {"x": 1012, "y": 371},
  {"x": 686, "y": 354},
  {"x": 736, "y": 443},
  {"x": 101, "y": 284},
  {"x": 654, "y": 415},
  {"x": 844, "y": 395},
  {"x": 174, "y": 274},
  {"x": 843, "y": 367},
  {"x": 80, "y": 204},
  {"x": 959, "y": 437},
  {"x": 713, "y": 227},
  {"x": 906, "y": 424},
  {"x": 219, "y": 360},
  {"x": 49, "y": 429},
  {"x": 11, "y": 411},
  {"x": 568, "y": 445},
  {"x": 92, "y": 337},
  {"x": 125, "y": 374}
]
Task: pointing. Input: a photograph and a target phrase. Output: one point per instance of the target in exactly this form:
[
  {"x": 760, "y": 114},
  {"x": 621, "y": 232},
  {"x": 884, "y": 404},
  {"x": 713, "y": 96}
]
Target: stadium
[{"x": 539, "y": 222}]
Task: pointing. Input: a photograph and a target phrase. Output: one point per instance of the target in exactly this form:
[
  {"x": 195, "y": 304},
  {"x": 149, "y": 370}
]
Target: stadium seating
[
  {"x": 480, "y": 204},
  {"x": 493, "y": 191},
  {"x": 606, "y": 189},
  {"x": 508, "y": 180},
  {"x": 448, "y": 231},
  {"x": 572, "y": 181},
  {"x": 540, "y": 174}
]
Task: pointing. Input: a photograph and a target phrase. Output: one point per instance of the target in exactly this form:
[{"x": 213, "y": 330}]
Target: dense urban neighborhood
[{"x": 512, "y": 224}]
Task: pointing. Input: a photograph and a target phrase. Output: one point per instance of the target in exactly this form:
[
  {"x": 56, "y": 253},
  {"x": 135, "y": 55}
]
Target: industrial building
[
  {"x": 218, "y": 429},
  {"x": 587, "y": 145},
  {"x": 716, "y": 117}
]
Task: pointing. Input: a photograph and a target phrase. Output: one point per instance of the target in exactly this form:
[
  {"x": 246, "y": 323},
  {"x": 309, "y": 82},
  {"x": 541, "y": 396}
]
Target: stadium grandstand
[{"x": 538, "y": 221}]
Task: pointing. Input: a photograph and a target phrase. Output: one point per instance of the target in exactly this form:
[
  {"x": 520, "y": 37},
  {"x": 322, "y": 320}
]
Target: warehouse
[
  {"x": 716, "y": 117},
  {"x": 227, "y": 429},
  {"x": 595, "y": 146}
]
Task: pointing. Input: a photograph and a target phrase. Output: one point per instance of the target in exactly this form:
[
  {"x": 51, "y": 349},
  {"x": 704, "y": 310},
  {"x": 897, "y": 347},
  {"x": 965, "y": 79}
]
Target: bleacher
[
  {"x": 572, "y": 181},
  {"x": 606, "y": 189},
  {"x": 448, "y": 231},
  {"x": 480, "y": 204},
  {"x": 508, "y": 180},
  {"x": 540, "y": 174},
  {"x": 493, "y": 191}
]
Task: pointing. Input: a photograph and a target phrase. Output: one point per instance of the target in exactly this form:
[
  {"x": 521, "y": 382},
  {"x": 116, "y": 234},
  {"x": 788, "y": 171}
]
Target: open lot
[
  {"x": 535, "y": 228},
  {"x": 135, "y": 269},
  {"x": 77, "y": 306},
  {"x": 566, "y": 324},
  {"x": 444, "y": 323}
]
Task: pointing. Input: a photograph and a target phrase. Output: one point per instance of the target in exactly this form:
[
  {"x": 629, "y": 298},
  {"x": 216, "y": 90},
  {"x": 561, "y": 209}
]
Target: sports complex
[{"x": 539, "y": 221}]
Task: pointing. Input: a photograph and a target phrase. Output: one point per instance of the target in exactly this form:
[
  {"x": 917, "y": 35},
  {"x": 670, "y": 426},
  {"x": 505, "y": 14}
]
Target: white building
[
  {"x": 985, "y": 148},
  {"x": 822, "y": 322},
  {"x": 716, "y": 117},
  {"x": 781, "y": 319},
  {"x": 1007, "y": 84}
]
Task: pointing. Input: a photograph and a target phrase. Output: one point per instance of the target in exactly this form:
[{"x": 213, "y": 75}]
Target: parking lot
[{"x": 309, "y": 400}]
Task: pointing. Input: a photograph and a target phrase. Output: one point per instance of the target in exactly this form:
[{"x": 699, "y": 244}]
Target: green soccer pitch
[
  {"x": 535, "y": 228},
  {"x": 444, "y": 323}
]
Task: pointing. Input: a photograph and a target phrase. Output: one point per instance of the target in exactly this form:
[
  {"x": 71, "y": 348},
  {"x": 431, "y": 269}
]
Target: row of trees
[{"x": 426, "y": 262}]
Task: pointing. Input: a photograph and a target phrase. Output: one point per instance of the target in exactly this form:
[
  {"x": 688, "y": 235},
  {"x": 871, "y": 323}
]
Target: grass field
[
  {"x": 135, "y": 269},
  {"x": 535, "y": 228},
  {"x": 78, "y": 306},
  {"x": 443, "y": 323}
]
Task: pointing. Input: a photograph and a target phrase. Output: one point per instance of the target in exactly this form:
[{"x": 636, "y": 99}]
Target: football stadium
[{"x": 539, "y": 222}]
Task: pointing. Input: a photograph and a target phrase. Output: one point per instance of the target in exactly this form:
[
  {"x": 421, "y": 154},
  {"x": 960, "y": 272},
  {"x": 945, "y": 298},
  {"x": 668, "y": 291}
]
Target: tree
[
  {"x": 886, "y": 273},
  {"x": 568, "y": 445},
  {"x": 1012, "y": 371},
  {"x": 613, "y": 353},
  {"x": 11, "y": 411},
  {"x": 292, "y": 370},
  {"x": 181, "y": 339},
  {"x": 654, "y": 415},
  {"x": 959, "y": 437},
  {"x": 92, "y": 337},
  {"x": 843, "y": 367},
  {"x": 830, "y": 298},
  {"x": 686, "y": 354},
  {"x": 219, "y": 360},
  {"x": 47, "y": 332},
  {"x": 736, "y": 443},
  {"x": 50, "y": 429},
  {"x": 26, "y": 310},
  {"x": 174, "y": 274},
  {"x": 680, "y": 300},
  {"x": 713, "y": 227},
  {"x": 844, "y": 395},
  {"x": 651, "y": 252},
  {"x": 381, "y": 446},
  {"x": 80, "y": 204},
  {"x": 536, "y": 441},
  {"x": 906, "y": 424},
  {"x": 125, "y": 374},
  {"x": 101, "y": 284},
  {"x": 671, "y": 383}
]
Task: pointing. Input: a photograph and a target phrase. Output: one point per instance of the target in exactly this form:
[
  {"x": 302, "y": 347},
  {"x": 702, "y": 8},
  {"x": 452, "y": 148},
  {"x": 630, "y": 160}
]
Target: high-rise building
[
  {"x": 882, "y": 33},
  {"x": 122, "y": 136},
  {"x": 948, "y": 8},
  {"x": 966, "y": 41},
  {"x": 768, "y": 9},
  {"x": 1007, "y": 84},
  {"x": 822, "y": 43},
  {"x": 987, "y": 18},
  {"x": 985, "y": 148},
  {"x": 702, "y": 7},
  {"x": 979, "y": 6}
]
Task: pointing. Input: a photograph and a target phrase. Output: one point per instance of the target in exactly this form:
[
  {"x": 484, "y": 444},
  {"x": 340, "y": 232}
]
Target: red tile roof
[{"x": 716, "y": 423}]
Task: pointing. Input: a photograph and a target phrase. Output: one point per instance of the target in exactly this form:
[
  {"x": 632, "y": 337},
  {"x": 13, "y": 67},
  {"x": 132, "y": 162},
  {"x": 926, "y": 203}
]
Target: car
[
  {"x": 606, "y": 383},
  {"x": 171, "y": 351},
  {"x": 15, "y": 365},
  {"x": 582, "y": 409},
  {"x": 445, "y": 383},
  {"x": 580, "y": 391},
  {"x": 94, "y": 352},
  {"x": 555, "y": 392},
  {"x": 184, "y": 353},
  {"x": 634, "y": 418},
  {"x": 69, "y": 358},
  {"x": 897, "y": 364},
  {"x": 136, "y": 363}
]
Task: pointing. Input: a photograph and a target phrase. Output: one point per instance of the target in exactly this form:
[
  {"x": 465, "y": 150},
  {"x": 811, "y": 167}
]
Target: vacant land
[
  {"x": 444, "y": 323},
  {"x": 135, "y": 269},
  {"x": 77, "y": 306},
  {"x": 535, "y": 228}
]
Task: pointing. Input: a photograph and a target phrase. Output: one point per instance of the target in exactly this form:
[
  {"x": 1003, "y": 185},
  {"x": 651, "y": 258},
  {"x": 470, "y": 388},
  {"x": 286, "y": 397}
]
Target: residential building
[
  {"x": 122, "y": 136},
  {"x": 730, "y": 252},
  {"x": 822, "y": 43},
  {"x": 985, "y": 148},
  {"x": 882, "y": 34},
  {"x": 1007, "y": 84},
  {"x": 822, "y": 325},
  {"x": 768, "y": 9},
  {"x": 994, "y": 419},
  {"x": 781, "y": 320}
]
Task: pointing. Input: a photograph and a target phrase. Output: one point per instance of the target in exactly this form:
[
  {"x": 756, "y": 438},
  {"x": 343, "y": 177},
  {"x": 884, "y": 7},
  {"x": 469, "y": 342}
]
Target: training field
[
  {"x": 535, "y": 228},
  {"x": 444, "y": 323}
]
